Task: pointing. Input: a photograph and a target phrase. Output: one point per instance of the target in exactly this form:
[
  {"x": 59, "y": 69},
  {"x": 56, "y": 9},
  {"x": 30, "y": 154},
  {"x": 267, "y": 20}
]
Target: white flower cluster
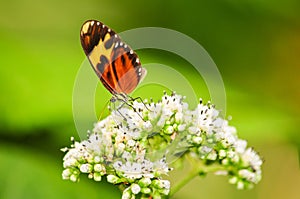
[{"x": 132, "y": 146}]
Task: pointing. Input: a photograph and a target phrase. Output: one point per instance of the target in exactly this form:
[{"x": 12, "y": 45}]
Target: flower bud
[
  {"x": 112, "y": 179},
  {"x": 240, "y": 185},
  {"x": 169, "y": 130},
  {"x": 97, "y": 177},
  {"x": 197, "y": 140},
  {"x": 144, "y": 182},
  {"x": 146, "y": 190},
  {"x": 98, "y": 167},
  {"x": 86, "y": 168},
  {"x": 135, "y": 188},
  {"x": 126, "y": 195},
  {"x": 233, "y": 180},
  {"x": 74, "y": 178},
  {"x": 66, "y": 174}
]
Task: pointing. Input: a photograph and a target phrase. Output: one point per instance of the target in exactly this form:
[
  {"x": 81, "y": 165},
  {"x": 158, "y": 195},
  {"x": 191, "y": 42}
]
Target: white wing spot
[
  {"x": 116, "y": 35},
  {"x": 121, "y": 43},
  {"x": 125, "y": 46},
  {"x": 131, "y": 51},
  {"x": 109, "y": 30},
  {"x": 137, "y": 60},
  {"x": 98, "y": 23},
  {"x": 140, "y": 70},
  {"x": 116, "y": 44},
  {"x": 92, "y": 23},
  {"x": 103, "y": 25},
  {"x": 140, "y": 74}
]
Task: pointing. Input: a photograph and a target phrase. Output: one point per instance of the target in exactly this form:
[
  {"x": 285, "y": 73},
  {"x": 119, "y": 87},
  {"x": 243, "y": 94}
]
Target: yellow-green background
[{"x": 255, "y": 44}]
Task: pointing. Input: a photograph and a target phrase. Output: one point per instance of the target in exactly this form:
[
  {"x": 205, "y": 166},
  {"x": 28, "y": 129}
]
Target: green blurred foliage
[{"x": 255, "y": 45}]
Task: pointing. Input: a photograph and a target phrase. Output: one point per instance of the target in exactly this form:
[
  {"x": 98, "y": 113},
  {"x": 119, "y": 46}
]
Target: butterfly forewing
[{"x": 115, "y": 63}]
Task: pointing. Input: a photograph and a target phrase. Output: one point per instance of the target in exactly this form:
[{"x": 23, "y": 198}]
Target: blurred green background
[{"x": 255, "y": 44}]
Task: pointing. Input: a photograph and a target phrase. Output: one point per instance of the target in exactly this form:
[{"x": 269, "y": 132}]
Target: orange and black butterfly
[{"x": 116, "y": 64}]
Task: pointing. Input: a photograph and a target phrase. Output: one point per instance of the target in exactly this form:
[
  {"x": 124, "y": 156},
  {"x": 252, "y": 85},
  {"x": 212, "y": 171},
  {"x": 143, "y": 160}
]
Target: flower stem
[
  {"x": 197, "y": 168},
  {"x": 183, "y": 182}
]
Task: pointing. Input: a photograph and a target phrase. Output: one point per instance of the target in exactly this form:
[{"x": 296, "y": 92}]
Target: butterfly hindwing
[{"x": 115, "y": 63}]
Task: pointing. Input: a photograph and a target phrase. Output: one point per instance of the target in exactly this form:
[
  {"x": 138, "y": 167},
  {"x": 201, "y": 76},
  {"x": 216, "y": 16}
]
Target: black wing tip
[{"x": 89, "y": 34}]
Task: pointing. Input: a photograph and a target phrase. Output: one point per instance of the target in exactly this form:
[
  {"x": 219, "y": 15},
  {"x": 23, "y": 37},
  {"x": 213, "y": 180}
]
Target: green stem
[
  {"x": 183, "y": 182},
  {"x": 197, "y": 168},
  {"x": 121, "y": 187}
]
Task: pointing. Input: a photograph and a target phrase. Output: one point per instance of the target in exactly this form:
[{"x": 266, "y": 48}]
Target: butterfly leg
[
  {"x": 131, "y": 106},
  {"x": 131, "y": 99},
  {"x": 126, "y": 100},
  {"x": 113, "y": 100}
]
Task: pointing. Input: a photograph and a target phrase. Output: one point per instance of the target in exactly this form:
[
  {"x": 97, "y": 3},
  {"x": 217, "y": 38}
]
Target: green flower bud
[
  {"x": 156, "y": 195},
  {"x": 233, "y": 180},
  {"x": 86, "y": 168},
  {"x": 112, "y": 179},
  {"x": 98, "y": 159},
  {"x": 144, "y": 182},
  {"x": 97, "y": 177},
  {"x": 146, "y": 190},
  {"x": 66, "y": 174},
  {"x": 165, "y": 191},
  {"x": 240, "y": 185},
  {"x": 222, "y": 153},
  {"x": 212, "y": 156},
  {"x": 74, "y": 178},
  {"x": 127, "y": 194},
  {"x": 169, "y": 130},
  {"x": 197, "y": 140},
  {"x": 99, "y": 168}
]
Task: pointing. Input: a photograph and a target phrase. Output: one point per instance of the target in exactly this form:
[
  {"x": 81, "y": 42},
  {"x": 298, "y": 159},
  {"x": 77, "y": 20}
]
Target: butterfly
[{"x": 115, "y": 63}]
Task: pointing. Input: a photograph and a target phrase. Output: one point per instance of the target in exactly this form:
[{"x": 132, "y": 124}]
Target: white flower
[
  {"x": 165, "y": 184},
  {"x": 135, "y": 145},
  {"x": 251, "y": 158},
  {"x": 205, "y": 149},
  {"x": 147, "y": 126},
  {"x": 131, "y": 143},
  {"x": 181, "y": 127},
  {"x": 250, "y": 176},
  {"x": 155, "y": 110},
  {"x": 161, "y": 166},
  {"x": 240, "y": 146},
  {"x": 194, "y": 130},
  {"x": 171, "y": 104}
]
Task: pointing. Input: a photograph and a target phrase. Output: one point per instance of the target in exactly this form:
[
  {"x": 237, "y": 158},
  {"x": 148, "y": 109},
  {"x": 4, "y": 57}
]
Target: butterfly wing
[{"x": 115, "y": 63}]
